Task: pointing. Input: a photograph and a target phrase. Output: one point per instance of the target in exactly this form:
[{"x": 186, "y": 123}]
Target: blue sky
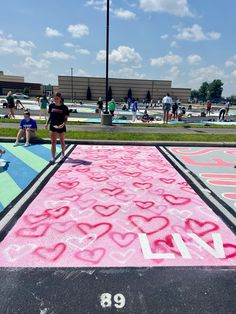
[{"x": 186, "y": 41}]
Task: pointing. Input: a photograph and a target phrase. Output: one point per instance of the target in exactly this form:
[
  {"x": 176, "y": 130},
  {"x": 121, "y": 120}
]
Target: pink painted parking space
[{"x": 118, "y": 206}]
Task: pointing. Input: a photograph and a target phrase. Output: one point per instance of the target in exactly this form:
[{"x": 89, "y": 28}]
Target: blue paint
[
  {"x": 40, "y": 151},
  {"x": 19, "y": 171}
]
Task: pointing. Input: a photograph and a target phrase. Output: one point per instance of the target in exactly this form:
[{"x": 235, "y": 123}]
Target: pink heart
[
  {"x": 106, "y": 211},
  {"x": 91, "y": 256},
  {"x": 57, "y": 212},
  {"x": 123, "y": 239},
  {"x": 174, "y": 200},
  {"x": 112, "y": 192},
  {"x": 200, "y": 228},
  {"x": 99, "y": 179},
  {"x": 32, "y": 219},
  {"x": 99, "y": 229},
  {"x": 149, "y": 225},
  {"x": 50, "y": 253},
  {"x": 144, "y": 205},
  {"x": 68, "y": 185},
  {"x": 144, "y": 186},
  {"x": 167, "y": 181},
  {"x": 35, "y": 232},
  {"x": 131, "y": 174}
]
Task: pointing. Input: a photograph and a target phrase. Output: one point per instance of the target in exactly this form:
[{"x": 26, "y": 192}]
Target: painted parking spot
[
  {"x": 23, "y": 164},
  {"x": 115, "y": 206},
  {"x": 214, "y": 166}
]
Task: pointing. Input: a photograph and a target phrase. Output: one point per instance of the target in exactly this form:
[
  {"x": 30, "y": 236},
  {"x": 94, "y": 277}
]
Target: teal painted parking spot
[{"x": 23, "y": 165}]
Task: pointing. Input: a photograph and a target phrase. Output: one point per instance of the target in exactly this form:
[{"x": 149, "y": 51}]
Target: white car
[{"x": 20, "y": 96}]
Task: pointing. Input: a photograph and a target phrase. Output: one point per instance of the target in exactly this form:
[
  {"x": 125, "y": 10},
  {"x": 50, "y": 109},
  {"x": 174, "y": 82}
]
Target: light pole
[
  {"x": 107, "y": 53},
  {"x": 72, "y": 85}
]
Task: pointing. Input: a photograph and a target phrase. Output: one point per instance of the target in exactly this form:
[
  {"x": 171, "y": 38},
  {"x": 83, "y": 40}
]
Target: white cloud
[
  {"x": 195, "y": 33},
  {"x": 57, "y": 55},
  {"x": 78, "y": 30},
  {"x": 124, "y": 14},
  {"x": 174, "y": 72},
  {"x": 173, "y": 44},
  {"x": 69, "y": 45},
  {"x": 164, "y": 36},
  {"x": 234, "y": 73},
  {"x": 194, "y": 59},
  {"x": 175, "y": 7},
  {"x": 208, "y": 73},
  {"x": 122, "y": 54},
  {"x": 12, "y": 46},
  {"x": 170, "y": 59},
  {"x": 97, "y": 4},
  {"x": 231, "y": 62},
  {"x": 83, "y": 51},
  {"x": 31, "y": 63},
  {"x": 50, "y": 32}
]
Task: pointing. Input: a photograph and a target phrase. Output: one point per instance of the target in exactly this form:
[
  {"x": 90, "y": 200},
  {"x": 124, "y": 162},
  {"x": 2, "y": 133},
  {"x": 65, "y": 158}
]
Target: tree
[
  {"x": 89, "y": 94},
  {"x": 148, "y": 97},
  {"x": 215, "y": 89},
  {"x": 129, "y": 95},
  {"x": 203, "y": 91},
  {"x": 194, "y": 94},
  {"x": 109, "y": 93}
]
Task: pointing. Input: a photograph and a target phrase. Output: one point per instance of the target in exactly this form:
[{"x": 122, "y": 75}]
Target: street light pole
[
  {"x": 107, "y": 53},
  {"x": 72, "y": 85}
]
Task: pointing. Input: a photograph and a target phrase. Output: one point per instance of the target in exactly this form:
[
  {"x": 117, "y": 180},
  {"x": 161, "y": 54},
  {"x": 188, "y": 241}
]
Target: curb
[{"x": 136, "y": 143}]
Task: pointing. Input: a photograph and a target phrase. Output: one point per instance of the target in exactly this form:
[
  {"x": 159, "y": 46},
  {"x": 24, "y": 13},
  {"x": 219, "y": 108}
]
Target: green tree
[
  {"x": 109, "y": 93},
  {"x": 203, "y": 91},
  {"x": 215, "y": 89},
  {"x": 194, "y": 94},
  {"x": 129, "y": 95},
  {"x": 89, "y": 94}
]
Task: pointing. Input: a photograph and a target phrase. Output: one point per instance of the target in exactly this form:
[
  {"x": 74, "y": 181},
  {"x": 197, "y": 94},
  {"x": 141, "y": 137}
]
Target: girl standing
[{"x": 58, "y": 115}]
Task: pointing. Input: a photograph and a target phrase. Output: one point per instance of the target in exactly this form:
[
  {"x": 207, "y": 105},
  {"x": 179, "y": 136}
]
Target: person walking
[
  {"x": 10, "y": 104},
  {"x": 167, "y": 102},
  {"x": 112, "y": 107},
  {"x": 43, "y": 102},
  {"x": 58, "y": 116},
  {"x": 100, "y": 106},
  {"x": 134, "y": 110},
  {"x": 222, "y": 113},
  {"x": 208, "y": 108}
]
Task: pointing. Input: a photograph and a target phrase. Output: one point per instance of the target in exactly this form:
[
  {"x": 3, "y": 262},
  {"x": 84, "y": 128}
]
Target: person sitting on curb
[
  {"x": 27, "y": 129},
  {"x": 145, "y": 118}
]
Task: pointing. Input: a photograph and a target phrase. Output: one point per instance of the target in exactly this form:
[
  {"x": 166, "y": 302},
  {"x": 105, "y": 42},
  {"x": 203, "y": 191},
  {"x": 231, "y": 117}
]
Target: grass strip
[{"x": 125, "y": 136}]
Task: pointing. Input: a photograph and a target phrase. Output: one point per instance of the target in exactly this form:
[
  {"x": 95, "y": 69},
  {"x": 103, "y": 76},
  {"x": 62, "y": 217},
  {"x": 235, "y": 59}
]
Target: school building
[{"x": 76, "y": 87}]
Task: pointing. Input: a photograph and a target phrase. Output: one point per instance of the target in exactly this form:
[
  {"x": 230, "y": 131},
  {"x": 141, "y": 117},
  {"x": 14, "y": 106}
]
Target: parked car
[{"x": 20, "y": 96}]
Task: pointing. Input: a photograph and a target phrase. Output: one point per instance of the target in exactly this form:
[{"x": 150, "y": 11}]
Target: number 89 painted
[{"x": 106, "y": 300}]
